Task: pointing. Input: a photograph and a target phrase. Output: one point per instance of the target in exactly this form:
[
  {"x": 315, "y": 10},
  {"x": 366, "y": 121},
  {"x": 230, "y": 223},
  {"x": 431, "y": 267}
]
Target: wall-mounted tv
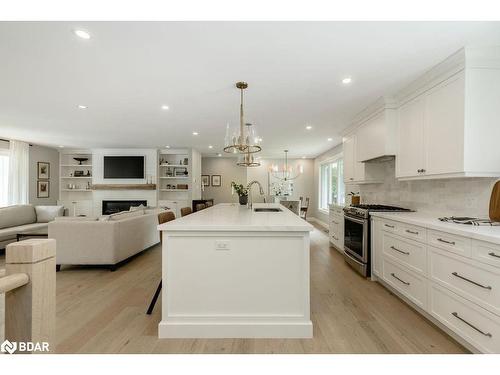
[{"x": 124, "y": 167}]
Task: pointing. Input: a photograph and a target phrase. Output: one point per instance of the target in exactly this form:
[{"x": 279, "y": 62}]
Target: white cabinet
[
  {"x": 355, "y": 171},
  {"x": 376, "y": 137},
  {"x": 448, "y": 119},
  {"x": 336, "y": 227}
]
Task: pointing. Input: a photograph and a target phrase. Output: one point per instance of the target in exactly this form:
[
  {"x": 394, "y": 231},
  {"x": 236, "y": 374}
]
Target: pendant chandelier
[
  {"x": 286, "y": 172},
  {"x": 247, "y": 160},
  {"x": 243, "y": 140}
]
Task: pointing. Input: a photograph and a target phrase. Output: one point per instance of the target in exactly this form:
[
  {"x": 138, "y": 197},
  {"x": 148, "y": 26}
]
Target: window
[
  {"x": 4, "y": 176},
  {"x": 331, "y": 183}
]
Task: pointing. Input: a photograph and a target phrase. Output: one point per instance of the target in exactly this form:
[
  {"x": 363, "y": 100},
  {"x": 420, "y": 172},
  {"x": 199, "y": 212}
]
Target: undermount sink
[{"x": 267, "y": 209}]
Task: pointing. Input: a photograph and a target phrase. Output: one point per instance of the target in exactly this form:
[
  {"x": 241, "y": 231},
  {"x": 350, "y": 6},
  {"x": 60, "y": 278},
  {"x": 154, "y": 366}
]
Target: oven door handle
[{"x": 359, "y": 221}]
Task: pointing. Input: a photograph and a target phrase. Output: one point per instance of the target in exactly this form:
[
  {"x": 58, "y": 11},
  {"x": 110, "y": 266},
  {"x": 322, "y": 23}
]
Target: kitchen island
[{"x": 233, "y": 272}]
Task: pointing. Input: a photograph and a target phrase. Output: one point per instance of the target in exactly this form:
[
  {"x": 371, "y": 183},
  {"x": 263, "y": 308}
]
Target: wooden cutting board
[{"x": 495, "y": 202}]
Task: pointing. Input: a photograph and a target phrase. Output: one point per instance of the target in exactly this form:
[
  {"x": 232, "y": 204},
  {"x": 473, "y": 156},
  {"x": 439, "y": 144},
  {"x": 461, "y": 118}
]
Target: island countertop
[{"x": 235, "y": 217}]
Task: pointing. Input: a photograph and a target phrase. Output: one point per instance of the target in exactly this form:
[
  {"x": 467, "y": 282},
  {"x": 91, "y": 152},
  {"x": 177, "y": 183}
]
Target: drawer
[
  {"x": 406, "y": 230},
  {"x": 450, "y": 242},
  {"x": 474, "y": 324},
  {"x": 410, "y": 253},
  {"x": 408, "y": 284},
  {"x": 474, "y": 281},
  {"x": 486, "y": 252}
]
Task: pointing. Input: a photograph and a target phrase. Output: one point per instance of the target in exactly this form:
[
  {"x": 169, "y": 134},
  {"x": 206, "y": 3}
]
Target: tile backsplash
[{"x": 454, "y": 196}]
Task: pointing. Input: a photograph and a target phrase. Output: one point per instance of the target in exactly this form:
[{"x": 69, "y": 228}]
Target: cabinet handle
[
  {"x": 419, "y": 170},
  {"x": 397, "y": 278},
  {"x": 448, "y": 242},
  {"x": 335, "y": 222},
  {"x": 423, "y": 170},
  {"x": 471, "y": 281},
  {"x": 389, "y": 226},
  {"x": 494, "y": 255},
  {"x": 455, "y": 314},
  {"x": 410, "y": 231},
  {"x": 335, "y": 238},
  {"x": 351, "y": 178},
  {"x": 400, "y": 251}
]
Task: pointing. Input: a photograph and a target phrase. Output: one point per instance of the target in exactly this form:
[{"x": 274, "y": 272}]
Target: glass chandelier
[
  {"x": 286, "y": 172},
  {"x": 244, "y": 139}
]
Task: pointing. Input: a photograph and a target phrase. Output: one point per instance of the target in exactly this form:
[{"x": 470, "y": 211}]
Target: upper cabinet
[
  {"x": 357, "y": 172},
  {"x": 376, "y": 136},
  {"x": 448, "y": 119}
]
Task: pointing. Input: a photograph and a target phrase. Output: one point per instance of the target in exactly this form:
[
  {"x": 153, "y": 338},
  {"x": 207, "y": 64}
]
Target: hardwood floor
[{"x": 104, "y": 312}]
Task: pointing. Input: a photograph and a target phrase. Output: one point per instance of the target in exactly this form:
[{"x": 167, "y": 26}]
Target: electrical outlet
[{"x": 222, "y": 245}]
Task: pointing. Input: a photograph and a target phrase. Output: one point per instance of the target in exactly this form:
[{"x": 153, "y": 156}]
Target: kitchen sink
[{"x": 267, "y": 209}]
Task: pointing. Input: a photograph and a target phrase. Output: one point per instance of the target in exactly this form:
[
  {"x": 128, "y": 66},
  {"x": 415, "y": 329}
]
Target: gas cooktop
[{"x": 363, "y": 210}]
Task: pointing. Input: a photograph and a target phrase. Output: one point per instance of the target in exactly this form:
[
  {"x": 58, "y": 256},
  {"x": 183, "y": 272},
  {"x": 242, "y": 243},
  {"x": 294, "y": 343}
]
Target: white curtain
[{"x": 19, "y": 155}]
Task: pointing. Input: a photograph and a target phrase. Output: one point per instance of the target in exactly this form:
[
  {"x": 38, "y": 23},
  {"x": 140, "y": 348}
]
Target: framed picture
[
  {"x": 205, "y": 179},
  {"x": 43, "y": 190},
  {"x": 43, "y": 170},
  {"x": 216, "y": 180}
]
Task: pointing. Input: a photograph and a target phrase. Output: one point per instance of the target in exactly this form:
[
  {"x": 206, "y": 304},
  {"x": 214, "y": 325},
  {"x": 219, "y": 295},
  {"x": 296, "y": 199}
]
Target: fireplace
[{"x": 111, "y": 206}]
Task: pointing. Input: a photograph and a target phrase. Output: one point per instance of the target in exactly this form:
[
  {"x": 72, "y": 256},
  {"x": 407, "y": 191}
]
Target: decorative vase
[{"x": 243, "y": 199}]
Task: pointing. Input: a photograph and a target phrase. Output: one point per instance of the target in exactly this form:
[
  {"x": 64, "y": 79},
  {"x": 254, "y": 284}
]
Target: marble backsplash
[{"x": 444, "y": 197}]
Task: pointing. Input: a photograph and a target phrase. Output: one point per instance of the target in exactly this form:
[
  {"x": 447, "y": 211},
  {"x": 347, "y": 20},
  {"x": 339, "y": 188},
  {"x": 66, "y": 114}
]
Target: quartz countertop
[
  {"x": 429, "y": 221},
  {"x": 235, "y": 217}
]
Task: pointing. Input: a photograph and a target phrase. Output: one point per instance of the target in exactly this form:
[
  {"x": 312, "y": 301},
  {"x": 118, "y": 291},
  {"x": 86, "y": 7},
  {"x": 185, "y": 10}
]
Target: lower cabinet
[
  {"x": 452, "y": 284},
  {"x": 336, "y": 227}
]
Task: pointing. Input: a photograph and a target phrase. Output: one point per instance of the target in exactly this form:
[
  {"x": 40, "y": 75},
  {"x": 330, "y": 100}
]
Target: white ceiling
[{"x": 127, "y": 70}]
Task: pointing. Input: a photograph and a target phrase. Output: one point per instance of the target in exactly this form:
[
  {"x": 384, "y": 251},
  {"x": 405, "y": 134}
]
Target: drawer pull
[
  {"x": 455, "y": 314},
  {"x": 470, "y": 281},
  {"x": 400, "y": 251},
  {"x": 397, "y": 278},
  {"x": 448, "y": 242},
  {"x": 335, "y": 222},
  {"x": 494, "y": 255},
  {"x": 410, "y": 231},
  {"x": 389, "y": 226},
  {"x": 335, "y": 238}
]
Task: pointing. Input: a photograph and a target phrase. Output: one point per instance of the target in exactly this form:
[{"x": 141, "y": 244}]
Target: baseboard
[{"x": 318, "y": 221}]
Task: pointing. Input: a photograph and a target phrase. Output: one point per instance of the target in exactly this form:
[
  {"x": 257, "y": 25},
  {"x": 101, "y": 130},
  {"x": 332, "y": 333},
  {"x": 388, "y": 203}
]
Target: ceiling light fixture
[
  {"x": 286, "y": 172},
  {"x": 219, "y": 154},
  {"x": 330, "y": 139},
  {"x": 309, "y": 127},
  {"x": 80, "y": 106},
  {"x": 347, "y": 80},
  {"x": 244, "y": 140},
  {"x": 61, "y": 146},
  {"x": 82, "y": 34},
  {"x": 210, "y": 146},
  {"x": 167, "y": 146},
  {"x": 195, "y": 133},
  {"x": 165, "y": 107}
]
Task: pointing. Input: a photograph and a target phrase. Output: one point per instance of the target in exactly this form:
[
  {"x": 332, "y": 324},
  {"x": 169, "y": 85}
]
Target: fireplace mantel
[{"x": 124, "y": 187}]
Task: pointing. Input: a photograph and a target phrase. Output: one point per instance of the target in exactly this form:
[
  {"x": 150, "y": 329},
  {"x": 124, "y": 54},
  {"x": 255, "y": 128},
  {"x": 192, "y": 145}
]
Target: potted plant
[{"x": 241, "y": 191}]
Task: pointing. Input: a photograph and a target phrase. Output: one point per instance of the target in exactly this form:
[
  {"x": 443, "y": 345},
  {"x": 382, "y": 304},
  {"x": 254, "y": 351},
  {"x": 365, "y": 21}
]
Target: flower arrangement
[{"x": 239, "y": 189}]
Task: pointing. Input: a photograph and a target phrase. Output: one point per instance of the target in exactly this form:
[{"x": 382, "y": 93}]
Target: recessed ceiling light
[
  {"x": 309, "y": 127},
  {"x": 330, "y": 139},
  {"x": 82, "y": 34},
  {"x": 210, "y": 146},
  {"x": 61, "y": 146},
  {"x": 347, "y": 80},
  {"x": 303, "y": 157},
  {"x": 219, "y": 155},
  {"x": 165, "y": 107},
  {"x": 195, "y": 133},
  {"x": 82, "y": 106},
  {"x": 167, "y": 146}
]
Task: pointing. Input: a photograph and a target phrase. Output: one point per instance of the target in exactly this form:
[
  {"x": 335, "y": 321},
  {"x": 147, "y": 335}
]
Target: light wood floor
[{"x": 99, "y": 311}]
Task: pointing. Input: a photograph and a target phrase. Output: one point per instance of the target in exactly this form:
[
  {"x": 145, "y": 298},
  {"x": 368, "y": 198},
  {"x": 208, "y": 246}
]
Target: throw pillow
[{"x": 44, "y": 214}]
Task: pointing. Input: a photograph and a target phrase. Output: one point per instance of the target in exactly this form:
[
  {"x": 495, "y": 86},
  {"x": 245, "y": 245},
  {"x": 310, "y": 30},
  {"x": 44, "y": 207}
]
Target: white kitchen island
[{"x": 231, "y": 272}]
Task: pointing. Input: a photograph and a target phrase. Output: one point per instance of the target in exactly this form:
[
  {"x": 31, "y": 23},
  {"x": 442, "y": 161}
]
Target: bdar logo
[{"x": 8, "y": 347}]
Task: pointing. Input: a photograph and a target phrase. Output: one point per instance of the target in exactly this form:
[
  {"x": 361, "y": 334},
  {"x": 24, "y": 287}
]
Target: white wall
[
  {"x": 227, "y": 168},
  {"x": 50, "y": 155},
  {"x": 314, "y": 211}
]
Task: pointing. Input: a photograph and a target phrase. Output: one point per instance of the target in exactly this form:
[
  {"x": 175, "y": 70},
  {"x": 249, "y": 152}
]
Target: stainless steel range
[{"x": 357, "y": 234}]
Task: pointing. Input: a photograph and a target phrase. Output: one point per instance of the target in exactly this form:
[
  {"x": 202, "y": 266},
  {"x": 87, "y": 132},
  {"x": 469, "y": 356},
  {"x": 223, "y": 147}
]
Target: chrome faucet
[{"x": 249, "y": 189}]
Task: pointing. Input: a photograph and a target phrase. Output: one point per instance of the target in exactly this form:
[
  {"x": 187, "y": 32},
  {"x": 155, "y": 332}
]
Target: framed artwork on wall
[
  {"x": 205, "y": 179},
  {"x": 43, "y": 189},
  {"x": 216, "y": 180},
  {"x": 43, "y": 170}
]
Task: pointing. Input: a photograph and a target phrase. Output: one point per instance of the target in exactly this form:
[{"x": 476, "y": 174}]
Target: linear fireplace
[{"x": 113, "y": 206}]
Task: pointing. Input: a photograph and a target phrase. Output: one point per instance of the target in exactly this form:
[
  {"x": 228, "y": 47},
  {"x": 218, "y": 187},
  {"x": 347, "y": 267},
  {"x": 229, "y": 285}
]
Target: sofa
[
  {"x": 106, "y": 240},
  {"x": 25, "y": 218}
]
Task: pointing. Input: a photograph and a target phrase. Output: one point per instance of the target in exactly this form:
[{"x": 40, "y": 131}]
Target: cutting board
[{"x": 495, "y": 202}]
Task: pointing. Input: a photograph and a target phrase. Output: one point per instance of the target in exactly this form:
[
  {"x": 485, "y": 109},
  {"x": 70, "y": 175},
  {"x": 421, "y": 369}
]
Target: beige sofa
[
  {"x": 25, "y": 218},
  {"x": 103, "y": 241}
]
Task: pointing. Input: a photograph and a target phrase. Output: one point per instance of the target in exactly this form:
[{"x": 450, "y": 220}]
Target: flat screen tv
[{"x": 124, "y": 167}]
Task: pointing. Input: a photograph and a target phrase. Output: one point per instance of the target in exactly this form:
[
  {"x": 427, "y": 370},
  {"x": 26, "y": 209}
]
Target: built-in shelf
[
  {"x": 186, "y": 190},
  {"x": 84, "y": 177},
  {"x": 124, "y": 187},
  {"x": 174, "y": 165},
  {"x": 80, "y": 190},
  {"x": 174, "y": 178},
  {"x": 76, "y": 165}
]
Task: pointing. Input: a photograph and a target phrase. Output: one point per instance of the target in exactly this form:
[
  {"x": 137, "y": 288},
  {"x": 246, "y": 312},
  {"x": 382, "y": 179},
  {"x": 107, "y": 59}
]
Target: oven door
[{"x": 356, "y": 238}]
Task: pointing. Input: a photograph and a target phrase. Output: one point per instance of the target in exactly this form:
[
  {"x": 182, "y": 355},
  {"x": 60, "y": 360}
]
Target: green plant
[{"x": 239, "y": 189}]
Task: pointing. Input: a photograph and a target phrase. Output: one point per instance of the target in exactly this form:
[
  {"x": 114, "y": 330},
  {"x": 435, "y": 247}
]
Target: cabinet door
[
  {"x": 410, "y": 158},
  {"x": 444, "y": 128},
  {"x": 349, "y": 148}
]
